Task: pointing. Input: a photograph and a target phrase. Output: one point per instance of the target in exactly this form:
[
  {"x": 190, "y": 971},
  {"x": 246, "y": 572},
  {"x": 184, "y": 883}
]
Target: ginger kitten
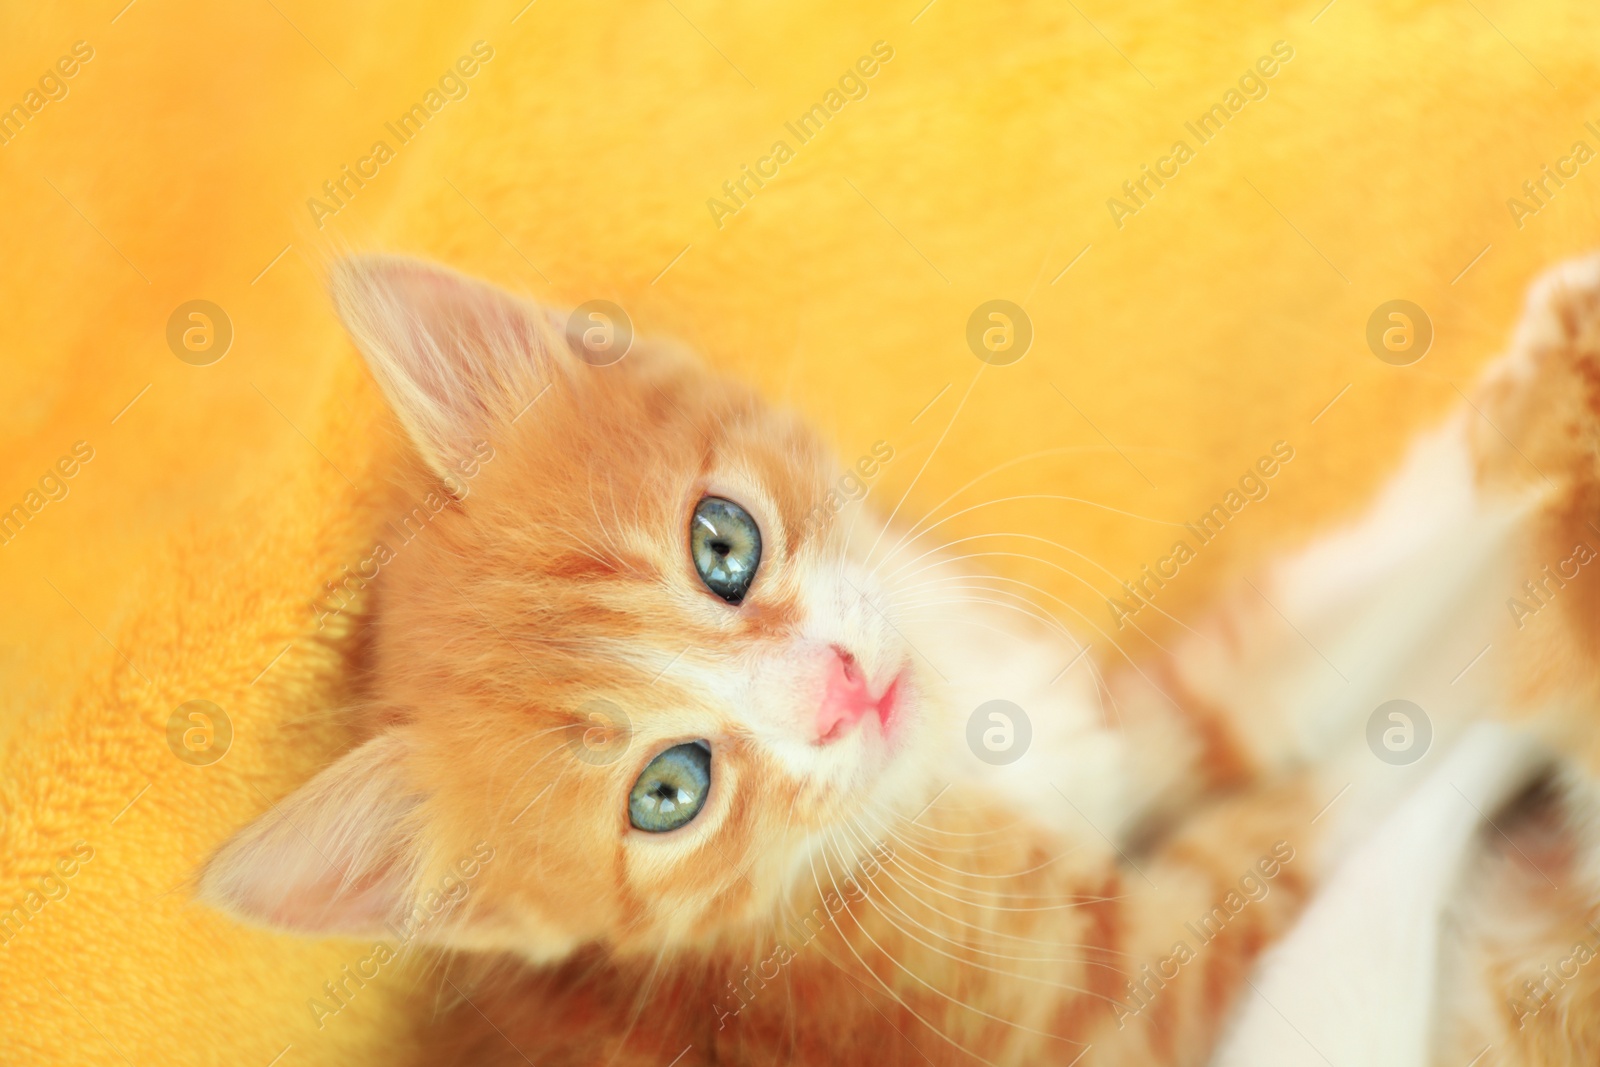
[{"x": 711, "y": 768}]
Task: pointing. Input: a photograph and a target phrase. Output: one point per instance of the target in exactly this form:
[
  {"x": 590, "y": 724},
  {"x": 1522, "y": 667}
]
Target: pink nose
[{"x": 845, "y": 699}]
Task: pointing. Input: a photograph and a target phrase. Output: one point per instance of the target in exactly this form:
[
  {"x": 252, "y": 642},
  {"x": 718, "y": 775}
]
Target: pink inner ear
[
  {"x": 332, "y": 858},
  {"x": 330, "y": 905},
  {"x": 455, "y": 356}
]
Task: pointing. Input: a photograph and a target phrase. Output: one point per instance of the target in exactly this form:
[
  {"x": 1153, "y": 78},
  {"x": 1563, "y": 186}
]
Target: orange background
[{"x": 1222, "y": 317}]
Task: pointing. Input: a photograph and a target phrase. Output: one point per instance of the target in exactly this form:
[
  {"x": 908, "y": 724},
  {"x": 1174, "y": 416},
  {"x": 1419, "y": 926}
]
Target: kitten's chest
[{"x": 1018, "y": 714}]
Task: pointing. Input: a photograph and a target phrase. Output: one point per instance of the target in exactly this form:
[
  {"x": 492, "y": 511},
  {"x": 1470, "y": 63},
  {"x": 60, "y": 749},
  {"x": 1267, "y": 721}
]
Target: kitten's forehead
[{"x": 611, "y": 462}]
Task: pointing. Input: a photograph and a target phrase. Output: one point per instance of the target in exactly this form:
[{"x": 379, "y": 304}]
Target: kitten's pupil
[{"x": 721, "y": 548}]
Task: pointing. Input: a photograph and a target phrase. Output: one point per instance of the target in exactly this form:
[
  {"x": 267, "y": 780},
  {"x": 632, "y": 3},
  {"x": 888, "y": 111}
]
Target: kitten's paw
[
  {"x": 1563, "y": 309},
  {"x": 1540, "y": 434},
  {"x": 1544, "y": 396}
]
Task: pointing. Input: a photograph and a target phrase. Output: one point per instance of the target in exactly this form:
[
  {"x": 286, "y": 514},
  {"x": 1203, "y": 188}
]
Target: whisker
[
  {"x": 890, "y": 578},
  {"x": 952, "y": 1042},
  {"x": 989, "y": 895},
  {"x": 1042, "y": 496},
  {"x": 1027, "y": 608},
  {"x": 924, "y": 982},
  {"x": 917, "y": 477},
  {"x": 1067, "y": 450},
  {"x": 985, "y": 952}
]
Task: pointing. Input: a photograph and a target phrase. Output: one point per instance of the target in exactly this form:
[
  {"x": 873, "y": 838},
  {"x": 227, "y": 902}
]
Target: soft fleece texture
[{"x": 1218, "y": 320}]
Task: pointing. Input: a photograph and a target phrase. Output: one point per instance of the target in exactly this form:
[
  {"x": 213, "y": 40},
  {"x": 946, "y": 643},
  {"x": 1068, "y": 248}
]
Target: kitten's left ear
[
  {"x": 334, "y": 857},
  {"x": 456, "y": 357}
]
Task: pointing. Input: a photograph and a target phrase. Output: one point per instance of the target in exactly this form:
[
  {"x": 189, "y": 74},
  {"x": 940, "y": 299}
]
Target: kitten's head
[{"x": 631, "y": 673}]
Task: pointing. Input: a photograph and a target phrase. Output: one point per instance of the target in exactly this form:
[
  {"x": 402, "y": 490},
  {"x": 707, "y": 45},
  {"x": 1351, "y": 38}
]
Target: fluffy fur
[{"x": 1110, "y": 890}]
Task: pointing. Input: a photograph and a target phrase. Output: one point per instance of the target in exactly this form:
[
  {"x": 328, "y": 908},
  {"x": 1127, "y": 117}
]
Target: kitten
[{"x": 733, "y": 786}]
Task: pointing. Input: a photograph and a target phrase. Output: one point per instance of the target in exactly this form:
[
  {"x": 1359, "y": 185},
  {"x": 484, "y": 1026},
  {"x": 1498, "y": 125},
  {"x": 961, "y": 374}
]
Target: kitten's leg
[
  {"x": 1466, "y": 589},
  {"x": 1528, "y": 988},
  {"x": 1354, "y": 981},
  {"x": 1292, "y": 668},
  {"x": 1417, "y": 602},
  {"x": 1196, "y": 910},
  {"x": 1357, "y": 976},
  {"x": 1546, "y": 397},
  {"x": 1518, "y": 978}
]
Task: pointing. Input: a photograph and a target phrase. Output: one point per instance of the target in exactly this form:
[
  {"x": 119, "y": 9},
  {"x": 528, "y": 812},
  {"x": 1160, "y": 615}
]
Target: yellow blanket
[{"x": 1198, "y": 206}]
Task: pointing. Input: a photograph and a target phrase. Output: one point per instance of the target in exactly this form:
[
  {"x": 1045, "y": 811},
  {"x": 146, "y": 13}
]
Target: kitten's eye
[
  {"x": 726, "y": 545},
  {"x": 672, "y": 789}
]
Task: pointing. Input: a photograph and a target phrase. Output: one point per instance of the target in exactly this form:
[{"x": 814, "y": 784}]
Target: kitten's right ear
[
  {"x": 455, "y": 356},
  {"x": 336, "y": 856}
]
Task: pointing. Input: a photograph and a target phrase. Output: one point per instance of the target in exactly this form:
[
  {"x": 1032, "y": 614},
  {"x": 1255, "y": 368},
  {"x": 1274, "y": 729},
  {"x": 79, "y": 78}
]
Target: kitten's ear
[
  {"x": 455, "y": 356},
  {"x": 334, "y": 857}
]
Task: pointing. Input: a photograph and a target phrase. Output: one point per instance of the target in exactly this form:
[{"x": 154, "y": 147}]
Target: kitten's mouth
[{"x": 889, "y": 707}]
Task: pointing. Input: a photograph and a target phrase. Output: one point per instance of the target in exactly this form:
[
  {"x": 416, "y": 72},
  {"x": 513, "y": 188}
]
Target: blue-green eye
[
  {"x": 726, "y": 545},
  {"x": 672, "y": 789}
]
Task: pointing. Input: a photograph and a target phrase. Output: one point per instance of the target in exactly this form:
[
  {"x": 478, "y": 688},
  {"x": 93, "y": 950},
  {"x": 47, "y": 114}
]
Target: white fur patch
[{"x": 1353, "y": 984}]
